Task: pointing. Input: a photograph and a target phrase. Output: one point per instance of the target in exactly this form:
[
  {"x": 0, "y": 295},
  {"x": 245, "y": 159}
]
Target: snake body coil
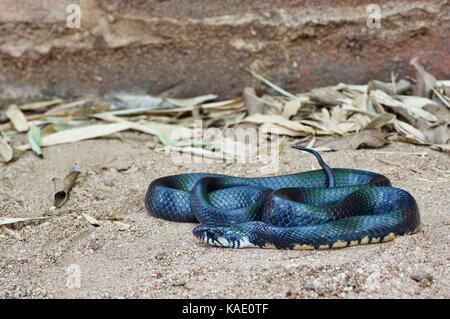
[{"x": 320, "y": 209}]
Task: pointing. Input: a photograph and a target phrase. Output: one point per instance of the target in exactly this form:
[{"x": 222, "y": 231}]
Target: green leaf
[{"x": 34, "y": 138}]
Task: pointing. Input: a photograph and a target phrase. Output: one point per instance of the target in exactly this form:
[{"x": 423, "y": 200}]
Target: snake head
[{"x": 223, "y": 236}]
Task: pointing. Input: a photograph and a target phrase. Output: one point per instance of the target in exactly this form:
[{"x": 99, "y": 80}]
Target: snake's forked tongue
[{"x": 325, "y": 167}]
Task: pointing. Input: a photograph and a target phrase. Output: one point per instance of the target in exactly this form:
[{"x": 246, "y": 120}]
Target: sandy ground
[{"x": 159, "y": 259}]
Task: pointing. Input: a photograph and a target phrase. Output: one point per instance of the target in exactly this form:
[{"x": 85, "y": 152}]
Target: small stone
[
  {"x": 348, "y": 289},
  {"x": 309, "y": 286},
  {"x": 160, "y": 256},
  {"x": 157, "y": 275},
  {"x": 424, "y": 283},
  {"x": 179, "y": 283},
  {"x": 288, "y": 293},
  {"x": 93, "y": 246},
  {"x": 52, "y": 211},
  {"x": 423, "y": 278}
]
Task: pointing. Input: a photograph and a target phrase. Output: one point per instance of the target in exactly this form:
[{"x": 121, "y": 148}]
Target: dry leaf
[
  {"x": 409, "y": 112},
  {"x": 390, "y": 88},
  {"x": 253, "y": 104},
  {"x": 360, "y": 103},
  {"x": 274, "y": 129},
  {"x": 441, "y": 147},
  {"x": 328, "y": 96},
  {"x": 121, "y": 226},
  {"x": 10, "y": 232},
  {"x": 349, "y": 126},
  {"x": 234, "y": 149},
  {"x": 425, "y": 82},
  {"x": 134, "y": 101},
  {"x": 131, "y": 111},
  {"x": 191, "y": 102},
  {"x": 6, "y": 151},
  {"x": 275, "y": 103},
  {"x": 380, "y": 120},
  {"x": 63, "y": 188},
  {"x": 447, "y": 90},
  {"x": 168, "y": 134},
  {"x": 366, "y": 139},
  {"x": 441, "y": 113},
  {"x": 320, "y": 129},
  {"x": 17, "y": 118},
  {"x": 236, "y": 104},
  {"x": 39, "y": 105},
  {"x": 427, "y": 116},
  {"x": 394, "y": 105},
  {"x": 444, "y": 99},
  {"x": 311, "y": 143},
  {"x": 352, "y": 88},
  {"x": 129, "y": 169},
  {"x": 83, "y": 133},
  {"x": 91, "y": 220},
  {"x": 13, "y": 220},
  {"x": 438, "y": 135},
  {"x": 410, "y": 131},
  {"x": 415, "y": 101},
  {"x": 360, "y": 121},
  {"x": 280, "y": 120},
  {"x": 69, "y": 109},
  {"x": 330, "y": 121},
  {"x": 291, "y": 108},
  {"x": 196, "y": 151}
]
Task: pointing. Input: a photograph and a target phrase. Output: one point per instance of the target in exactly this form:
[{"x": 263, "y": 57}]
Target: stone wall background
[{"x": 184, "y": 48}]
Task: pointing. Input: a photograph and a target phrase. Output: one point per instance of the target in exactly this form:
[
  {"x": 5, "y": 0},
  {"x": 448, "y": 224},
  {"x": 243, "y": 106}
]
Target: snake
[{"x": 318, "y": 209}]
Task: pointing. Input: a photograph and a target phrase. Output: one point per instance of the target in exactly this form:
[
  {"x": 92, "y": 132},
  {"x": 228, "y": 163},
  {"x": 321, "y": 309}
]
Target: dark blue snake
[{"x": 320, "y": 209}]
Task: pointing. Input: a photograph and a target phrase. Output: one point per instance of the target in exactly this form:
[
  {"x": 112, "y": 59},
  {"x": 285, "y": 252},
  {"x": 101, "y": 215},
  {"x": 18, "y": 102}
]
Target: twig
[
  {"x": 430, "y": 181},
  {"x": 387, "y": 162},
  {"x": 403, "y": 153},
  {"x": 10, "y": 232},
  {"x": 273, "y": 86},
  {"x": 442, "y": 98}
]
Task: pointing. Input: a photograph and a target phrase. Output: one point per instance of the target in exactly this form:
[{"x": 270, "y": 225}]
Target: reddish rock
[{"x": 189, "y": 47}]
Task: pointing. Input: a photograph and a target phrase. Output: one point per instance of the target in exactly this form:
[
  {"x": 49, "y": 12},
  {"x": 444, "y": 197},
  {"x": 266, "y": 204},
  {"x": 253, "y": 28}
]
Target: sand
[{"x": 159, "y": 259}]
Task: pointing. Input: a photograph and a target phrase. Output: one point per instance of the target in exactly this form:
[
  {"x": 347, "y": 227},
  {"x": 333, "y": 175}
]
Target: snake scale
[{"x": 319, "y": 209}]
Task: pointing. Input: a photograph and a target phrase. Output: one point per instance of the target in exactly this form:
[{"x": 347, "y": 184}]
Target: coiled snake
[{"x": 320, "y": 209}]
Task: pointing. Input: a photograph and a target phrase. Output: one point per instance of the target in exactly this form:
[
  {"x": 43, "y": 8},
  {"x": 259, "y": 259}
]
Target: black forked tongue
[{"x": 325, "y": 167}]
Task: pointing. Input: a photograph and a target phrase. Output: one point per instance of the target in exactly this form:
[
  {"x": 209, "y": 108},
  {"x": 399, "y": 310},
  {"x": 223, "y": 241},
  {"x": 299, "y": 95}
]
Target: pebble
[
  {"x": 423, "y": 278},
  {"x": 179, "y": 283},
  {"x": 309, "y": 286}
]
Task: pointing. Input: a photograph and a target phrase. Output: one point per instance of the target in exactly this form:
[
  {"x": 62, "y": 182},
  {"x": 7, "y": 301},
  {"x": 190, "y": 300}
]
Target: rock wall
[{"x": 188, "y": 47}]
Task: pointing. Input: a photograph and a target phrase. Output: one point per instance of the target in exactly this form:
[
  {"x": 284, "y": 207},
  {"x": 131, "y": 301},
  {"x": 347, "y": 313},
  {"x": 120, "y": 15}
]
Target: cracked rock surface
[{"x": 185, "y": 48}]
